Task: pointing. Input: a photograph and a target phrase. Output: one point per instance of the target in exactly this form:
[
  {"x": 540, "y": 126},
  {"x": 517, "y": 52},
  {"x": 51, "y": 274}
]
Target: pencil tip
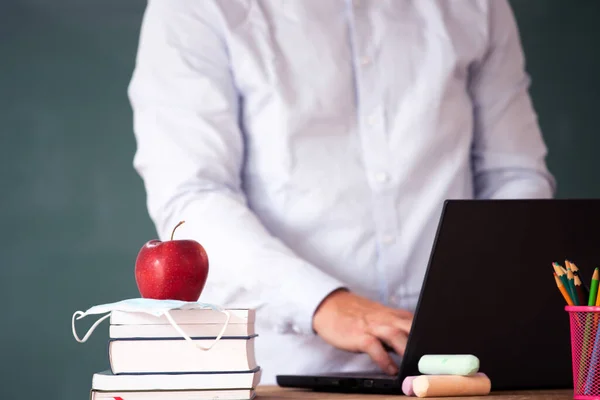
[
  {"x": 573, "y": 267},
  {"x": 559, "y": 270}
]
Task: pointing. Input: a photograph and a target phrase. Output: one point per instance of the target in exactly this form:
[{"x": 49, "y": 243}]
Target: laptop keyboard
[{"x": 368, "y": 375}]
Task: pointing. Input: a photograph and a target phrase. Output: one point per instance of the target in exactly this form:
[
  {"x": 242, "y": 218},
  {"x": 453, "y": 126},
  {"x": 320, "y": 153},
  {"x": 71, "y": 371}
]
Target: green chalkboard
[
  {"x": 560, "y": 39},
  {"x": 73, "y": 210}
]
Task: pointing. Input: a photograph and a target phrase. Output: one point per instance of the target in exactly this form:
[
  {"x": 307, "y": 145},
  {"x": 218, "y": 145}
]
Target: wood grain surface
[{"x": 274, "y": 392}]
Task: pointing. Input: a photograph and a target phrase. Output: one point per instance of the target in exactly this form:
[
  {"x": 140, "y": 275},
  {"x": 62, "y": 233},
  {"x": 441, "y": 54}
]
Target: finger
[
  {"x": 403, "y": 324},
  {"x": 398, "y": 343},
  {"x": 394, "y": 337},
  {"x": 373, "y": 347}
]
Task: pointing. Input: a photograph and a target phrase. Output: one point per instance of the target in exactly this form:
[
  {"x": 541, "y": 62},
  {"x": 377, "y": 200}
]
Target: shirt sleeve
[
  {"x": 190, "y": 151},
  {"x": 508, "y": 154}
]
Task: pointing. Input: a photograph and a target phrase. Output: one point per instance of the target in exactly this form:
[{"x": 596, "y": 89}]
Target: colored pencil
[
  {"x": 574, "y": 296},
  {"x": 579, "y": 290},
  {"x": 562, "y": 275},
  {"x": 575, "y": 269},
  {"x": 594, "y": 288},
  {"x": 563, "y": 290},
  {"x": 560, "y": 272}
]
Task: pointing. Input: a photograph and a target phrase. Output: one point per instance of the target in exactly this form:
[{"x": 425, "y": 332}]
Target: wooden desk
[{"x": 274, "y": 392}]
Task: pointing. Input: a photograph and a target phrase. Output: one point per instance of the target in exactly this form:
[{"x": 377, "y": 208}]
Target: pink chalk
[{"x": 407, "y": 387}]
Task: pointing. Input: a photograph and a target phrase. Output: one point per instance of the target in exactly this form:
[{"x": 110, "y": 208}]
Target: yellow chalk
[{"x": 451, "y": 385}]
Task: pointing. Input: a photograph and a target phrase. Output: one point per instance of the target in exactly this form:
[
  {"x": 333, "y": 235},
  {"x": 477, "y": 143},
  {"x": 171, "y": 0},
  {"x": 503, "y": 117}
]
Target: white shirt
[{"x": 310, "y": 144}]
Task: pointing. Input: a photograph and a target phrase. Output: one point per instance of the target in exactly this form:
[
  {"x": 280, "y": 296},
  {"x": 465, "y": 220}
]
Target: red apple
[{"x": 173, "y": 269}]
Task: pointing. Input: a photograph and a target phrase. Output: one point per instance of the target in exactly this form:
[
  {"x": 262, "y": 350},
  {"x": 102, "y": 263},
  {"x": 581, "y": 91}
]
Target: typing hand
[{"x": 354, "y": 323}]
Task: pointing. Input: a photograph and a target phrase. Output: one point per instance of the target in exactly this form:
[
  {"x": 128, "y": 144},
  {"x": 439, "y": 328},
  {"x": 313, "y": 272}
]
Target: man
[{"x": 309, "y": 146}]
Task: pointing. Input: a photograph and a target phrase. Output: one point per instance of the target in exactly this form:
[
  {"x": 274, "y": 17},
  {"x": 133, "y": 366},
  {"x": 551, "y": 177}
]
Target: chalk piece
[
  {"x": 407, "y": 388},
  {"x": 449, "y": 364},
  {"x": 451, "y": 385}
]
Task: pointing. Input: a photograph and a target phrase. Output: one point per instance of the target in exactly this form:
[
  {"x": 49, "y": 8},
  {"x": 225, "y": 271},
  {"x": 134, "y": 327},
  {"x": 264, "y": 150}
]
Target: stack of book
[{"x": 149, "y": 359}]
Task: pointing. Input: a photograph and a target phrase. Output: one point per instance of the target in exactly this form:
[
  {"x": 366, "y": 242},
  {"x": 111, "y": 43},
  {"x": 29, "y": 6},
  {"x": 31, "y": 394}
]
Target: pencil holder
[{"x": 585, "y": 351}]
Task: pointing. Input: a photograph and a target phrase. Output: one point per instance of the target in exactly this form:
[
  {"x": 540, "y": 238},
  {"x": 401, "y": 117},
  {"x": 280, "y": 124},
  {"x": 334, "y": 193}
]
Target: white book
[
  {"x": 107, "y": 382},
  {"x": 203, "y": 316},
  {"x": 168, "y": 331},
  {"x": 181, "y": 356},
  {"x": 232, "y": 394}
]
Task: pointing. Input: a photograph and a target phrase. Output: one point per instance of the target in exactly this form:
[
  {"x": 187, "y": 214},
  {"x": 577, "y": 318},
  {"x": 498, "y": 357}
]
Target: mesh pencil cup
[{"x": 585, "y": 351}]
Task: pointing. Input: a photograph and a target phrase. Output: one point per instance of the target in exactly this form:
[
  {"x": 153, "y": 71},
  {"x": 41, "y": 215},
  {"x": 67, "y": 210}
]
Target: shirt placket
[{"x": 374, "y": 144}]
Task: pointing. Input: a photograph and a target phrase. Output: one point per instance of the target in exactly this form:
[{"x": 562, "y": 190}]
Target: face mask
[{"x": 153, "y": 307}]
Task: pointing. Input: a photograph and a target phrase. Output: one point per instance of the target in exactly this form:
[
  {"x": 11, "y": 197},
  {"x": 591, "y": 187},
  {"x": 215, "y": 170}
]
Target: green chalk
[{"x": 449, "y": 364}]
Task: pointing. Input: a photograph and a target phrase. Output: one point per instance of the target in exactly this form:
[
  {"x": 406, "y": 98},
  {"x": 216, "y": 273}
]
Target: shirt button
[
  {"x": 382, "y": 177},
  {"x": 393, "y": 300},
  {"x": 365, "y": 60},
  {"x": 387, "y": 239},
  {"x": 373, "y": 120}
]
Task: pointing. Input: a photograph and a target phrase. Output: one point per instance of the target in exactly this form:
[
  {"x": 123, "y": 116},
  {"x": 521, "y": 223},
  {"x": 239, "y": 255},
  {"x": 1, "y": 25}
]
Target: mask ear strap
[
  {"x": 186, "y": 337},
  {"x": 79, "y": 315},
  {"x": 224, "y": 325}
]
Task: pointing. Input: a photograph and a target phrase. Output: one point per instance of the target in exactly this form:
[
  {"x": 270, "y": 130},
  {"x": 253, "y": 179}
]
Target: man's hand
[{"x": 354, "y": 323}]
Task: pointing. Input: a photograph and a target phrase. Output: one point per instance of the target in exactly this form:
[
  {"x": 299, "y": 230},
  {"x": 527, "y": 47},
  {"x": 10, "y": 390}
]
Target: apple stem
[{"x": 176, "y": 226}]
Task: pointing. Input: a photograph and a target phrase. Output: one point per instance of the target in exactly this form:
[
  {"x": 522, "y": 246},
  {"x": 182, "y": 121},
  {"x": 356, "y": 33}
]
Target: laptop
[{"x": 489, "y": 291}]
